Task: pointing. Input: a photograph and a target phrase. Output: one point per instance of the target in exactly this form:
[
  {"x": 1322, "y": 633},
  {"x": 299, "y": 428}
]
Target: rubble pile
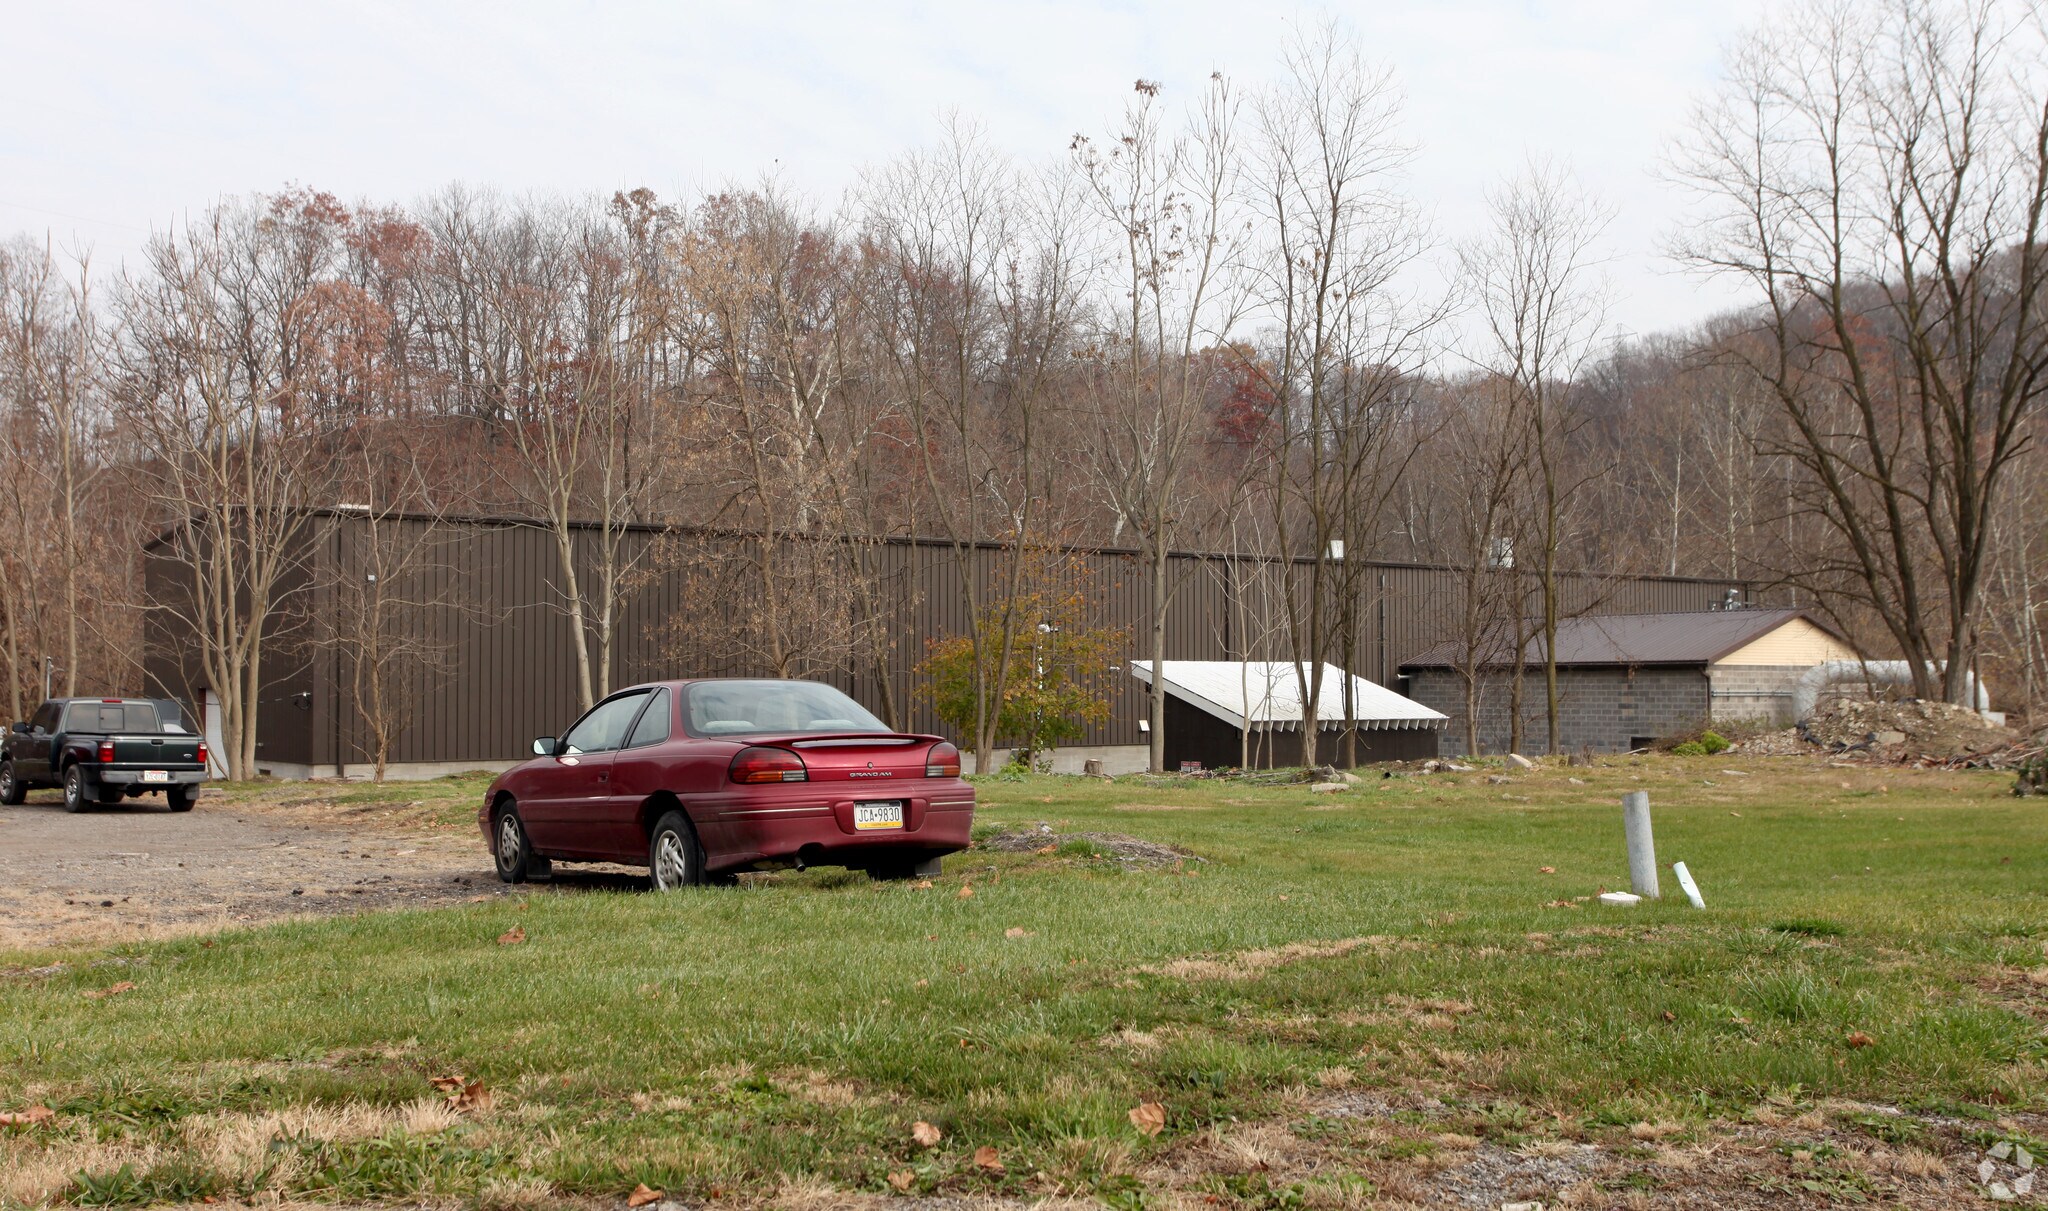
[
  {"x": 1788, "y": 743},
  {"x": 1918, "y": 728}
]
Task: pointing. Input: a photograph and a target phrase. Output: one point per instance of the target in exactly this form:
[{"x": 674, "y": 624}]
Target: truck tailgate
[{"x": 156, "y": 752}]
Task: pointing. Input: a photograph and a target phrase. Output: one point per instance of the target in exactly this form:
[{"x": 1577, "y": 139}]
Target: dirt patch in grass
[
  {"x": 1245, "y": 964},
  {"x": 1160, "y": 807},
  {"x": 1128, "y": 850}
]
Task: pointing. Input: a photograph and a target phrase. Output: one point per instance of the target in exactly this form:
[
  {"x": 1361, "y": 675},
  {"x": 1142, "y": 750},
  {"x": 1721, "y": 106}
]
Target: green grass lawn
[{"x": 1402, "y": 937}]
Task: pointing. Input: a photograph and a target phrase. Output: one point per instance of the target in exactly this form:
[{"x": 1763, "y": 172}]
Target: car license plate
[
  {"x": 878, "y": 815},
  {"x": 156, "y": 775}
]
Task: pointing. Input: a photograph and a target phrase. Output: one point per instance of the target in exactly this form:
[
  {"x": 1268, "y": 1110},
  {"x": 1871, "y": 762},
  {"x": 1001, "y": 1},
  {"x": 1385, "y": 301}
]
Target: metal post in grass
[{"x": 1642, "y": 850}]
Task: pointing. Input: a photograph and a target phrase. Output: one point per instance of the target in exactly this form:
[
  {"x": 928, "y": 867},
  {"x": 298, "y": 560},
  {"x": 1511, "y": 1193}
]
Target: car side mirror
[{"x": 544, "y": 747}]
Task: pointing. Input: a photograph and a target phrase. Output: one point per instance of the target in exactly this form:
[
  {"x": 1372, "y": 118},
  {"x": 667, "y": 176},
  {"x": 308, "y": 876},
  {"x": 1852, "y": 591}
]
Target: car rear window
[
  {"x": 110, "y": 717},
  {"x": 740, "y": 708}
]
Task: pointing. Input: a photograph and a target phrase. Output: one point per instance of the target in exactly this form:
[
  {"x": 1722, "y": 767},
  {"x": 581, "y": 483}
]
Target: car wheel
[
  {"x": 674, "y": 859},
  {"x": 510, "y": 848},
  {"x": 74, "y": 790},
  {"x": 11, "y": 790},
  {"x": 181, "y": 798}
]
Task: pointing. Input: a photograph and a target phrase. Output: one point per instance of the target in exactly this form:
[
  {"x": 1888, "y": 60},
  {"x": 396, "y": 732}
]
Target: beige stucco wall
[{"x": 1798, "y": 643}]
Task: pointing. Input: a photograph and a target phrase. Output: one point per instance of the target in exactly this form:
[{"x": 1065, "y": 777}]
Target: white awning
[{"x": 1267, "y": 694}]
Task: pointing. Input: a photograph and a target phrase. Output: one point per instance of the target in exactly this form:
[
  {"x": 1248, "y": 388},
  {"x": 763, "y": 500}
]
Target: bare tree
[
  {"x": 1877, "y": 173},
  {"x": 1169, "y": 203},
  {"x": 52, "y": 363},
  {"x": 983, "y": 294},
  {"x": 773, "y": 296},
  {"x": 1333, "y": 234},
  {"x": 1532, "y": 278},
  {"x": 1486, "y": 455},
  {"x": 389, "y": 598},
  {"x": 210, "y": 379},
  {"x": 559, "y": 312}
]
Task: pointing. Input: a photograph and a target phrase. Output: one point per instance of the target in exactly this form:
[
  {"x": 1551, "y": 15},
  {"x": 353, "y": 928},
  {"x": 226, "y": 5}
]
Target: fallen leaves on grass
[
  {"x": 1560, "y": 904},
  {"x": 112, "y": 990},
  {"x": 986, "y": 1158},
  {"x": 642, "y": 1195},
  {"x": 513, "y": 936},
  {"x": 901, "y": 1180},
  {"x": 923, "y": 885},
  {"x": 1858, "y": 1040},
  {"x": 1149, "y": 1118},
  {"x": 1546, "y": 870},
  {"x": 926, "y": 1135},
  {"x": 463, "y": 1095},
  {"x": 1016, "y": 931},
  {"x": 966, "y": 891},
  {"x": 30, "y": 1117}
]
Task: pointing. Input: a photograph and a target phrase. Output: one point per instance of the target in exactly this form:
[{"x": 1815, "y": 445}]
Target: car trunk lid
[{"x": 874, "y": 759}]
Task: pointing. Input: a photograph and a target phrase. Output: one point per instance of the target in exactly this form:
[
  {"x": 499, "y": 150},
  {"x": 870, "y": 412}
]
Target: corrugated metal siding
[{"x": 511, "y": 671}]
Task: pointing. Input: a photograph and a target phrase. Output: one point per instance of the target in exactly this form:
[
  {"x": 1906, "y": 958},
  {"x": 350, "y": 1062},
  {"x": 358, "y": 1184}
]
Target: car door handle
[{"x": 604, "y": 776}]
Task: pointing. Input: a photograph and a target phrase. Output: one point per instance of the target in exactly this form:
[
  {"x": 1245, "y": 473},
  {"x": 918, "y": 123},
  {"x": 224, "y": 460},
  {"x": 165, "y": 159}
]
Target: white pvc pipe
[
  {"x": 1642, "y": 849},
  {"x": 1806, "y": 690}
]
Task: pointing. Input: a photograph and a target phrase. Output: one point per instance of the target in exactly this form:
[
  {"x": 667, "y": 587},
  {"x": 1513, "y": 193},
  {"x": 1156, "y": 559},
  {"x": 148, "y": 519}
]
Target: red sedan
[{"x": 696, "y": 779}]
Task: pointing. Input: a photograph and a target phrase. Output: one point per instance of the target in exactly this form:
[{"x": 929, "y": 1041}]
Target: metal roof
[
  {"x": 1268, "y": 693},
  {"x": 1633, "y": 639}
]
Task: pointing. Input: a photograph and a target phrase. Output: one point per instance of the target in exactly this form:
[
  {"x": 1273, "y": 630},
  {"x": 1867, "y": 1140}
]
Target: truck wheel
[
  {"x": 11, "y": 789},
  {"x": 75, "y": 799},
  {"x": 181, "y": 798}
]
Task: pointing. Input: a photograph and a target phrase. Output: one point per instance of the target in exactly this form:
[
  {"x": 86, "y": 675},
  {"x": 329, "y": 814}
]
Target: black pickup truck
[{"x": 104, "y": 750}]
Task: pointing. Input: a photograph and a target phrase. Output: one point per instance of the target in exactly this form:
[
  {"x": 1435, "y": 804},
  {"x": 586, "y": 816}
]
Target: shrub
[
  {"x": 1713, "y": 742},
  {"x": 1052, "y": 683},
  {"x": 1694, "y": 748}
]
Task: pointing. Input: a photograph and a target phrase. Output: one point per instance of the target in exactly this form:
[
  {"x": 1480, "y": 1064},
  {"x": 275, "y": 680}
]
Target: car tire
[
  {"x": 181, "y": 798},
  {"x": 12, "y": 792},
  {"x": 75, "y": 798},
  {"x": 674, "y": 859},
  {"x": 510, "y": 850}
]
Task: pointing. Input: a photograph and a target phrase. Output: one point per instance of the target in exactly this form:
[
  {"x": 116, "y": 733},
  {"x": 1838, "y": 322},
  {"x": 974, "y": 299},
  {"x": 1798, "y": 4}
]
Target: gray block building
[{"x": 1624, "y": 681}]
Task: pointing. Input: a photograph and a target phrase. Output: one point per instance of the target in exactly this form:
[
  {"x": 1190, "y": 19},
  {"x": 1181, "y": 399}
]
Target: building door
[{"x": 210, "y": 729}]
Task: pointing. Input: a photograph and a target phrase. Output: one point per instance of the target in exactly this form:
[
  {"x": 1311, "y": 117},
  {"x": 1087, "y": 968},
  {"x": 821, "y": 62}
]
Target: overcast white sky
[{"x": 122, "y": 118}]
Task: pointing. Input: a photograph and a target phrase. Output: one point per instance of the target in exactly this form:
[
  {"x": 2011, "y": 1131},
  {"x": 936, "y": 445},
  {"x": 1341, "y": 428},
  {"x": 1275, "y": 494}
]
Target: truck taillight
[
  {"x": 106, "y": 752},
  {"x": 761, "y": 764},
  {"x": 942, "y": 762},
  {"x": 201, "y": 757}
]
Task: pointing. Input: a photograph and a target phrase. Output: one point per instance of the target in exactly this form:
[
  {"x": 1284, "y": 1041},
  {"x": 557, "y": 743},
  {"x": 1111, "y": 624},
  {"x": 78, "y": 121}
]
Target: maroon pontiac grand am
[{"x": 698, "y": 779}]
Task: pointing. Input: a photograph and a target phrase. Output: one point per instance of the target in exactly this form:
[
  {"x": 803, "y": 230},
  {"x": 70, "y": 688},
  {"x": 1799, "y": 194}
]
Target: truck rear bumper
[{"x": 133, "y": 777}]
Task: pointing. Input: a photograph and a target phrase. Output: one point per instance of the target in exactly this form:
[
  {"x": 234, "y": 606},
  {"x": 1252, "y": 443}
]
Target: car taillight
[
  {"x": 768, "y": 765},
  {"x": 201, "y": 757},
  {"x": 106, "y": 752},
  {"x": 942, "y": 762}
]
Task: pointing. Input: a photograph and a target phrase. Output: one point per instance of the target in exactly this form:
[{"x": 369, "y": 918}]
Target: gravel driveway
[{"x": 141, "y": 871}]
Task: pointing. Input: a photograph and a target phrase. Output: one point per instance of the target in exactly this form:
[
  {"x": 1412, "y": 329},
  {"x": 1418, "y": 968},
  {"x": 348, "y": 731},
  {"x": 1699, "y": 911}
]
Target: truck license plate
[
  {"x": 878, "y": 815},
  {"x": 156, "y": 775}
]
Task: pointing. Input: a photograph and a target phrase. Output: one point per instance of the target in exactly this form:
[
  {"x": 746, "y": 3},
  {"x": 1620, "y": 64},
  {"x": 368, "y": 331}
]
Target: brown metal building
[{"x": 509, "y": 675}]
